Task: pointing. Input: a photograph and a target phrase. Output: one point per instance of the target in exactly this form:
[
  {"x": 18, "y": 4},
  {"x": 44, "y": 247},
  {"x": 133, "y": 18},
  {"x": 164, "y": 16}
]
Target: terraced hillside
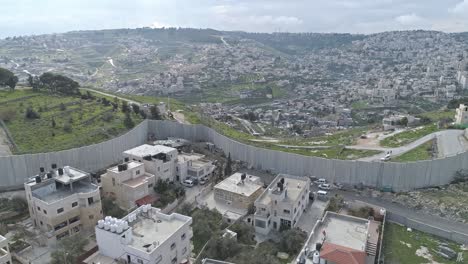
[{"x": 62, "y": 122}]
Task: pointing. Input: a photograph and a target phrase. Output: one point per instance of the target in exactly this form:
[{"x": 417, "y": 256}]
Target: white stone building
[
  {"x": 5, "y": 256},
  {"x": 127, "y": 183},
  {"x": 193, "y": 165},
  {"x": 281, "y": 205},
  {"x": 145, "y": 236},
  {"x": 158, "y": 160},
  {"x": 62, "y": 202},
  {"x": 461, "y": 115},
  {"x": 238, "y": 190}
]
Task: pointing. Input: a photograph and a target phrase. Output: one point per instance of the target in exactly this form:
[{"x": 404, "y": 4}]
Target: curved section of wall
[
  {"x": 15, "y": 169},
  {"x": 398, "y": 176}
]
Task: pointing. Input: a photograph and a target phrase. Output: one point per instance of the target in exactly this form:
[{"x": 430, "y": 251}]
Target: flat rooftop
[
  {"x": 135, "y": 182},
  {"x": 233, "y": 184},
  {"x": 49, "y": 195},
  {"x": 130, "y": 165},
  {"x": 342, "y": 230},
  {"x": 294, "y": 185},
  {"x": 72, "y": 175},
  {"x": 145, "y": 150},
  {"x": 190, "y": 156},
  {"x": 157, "y": 229}
]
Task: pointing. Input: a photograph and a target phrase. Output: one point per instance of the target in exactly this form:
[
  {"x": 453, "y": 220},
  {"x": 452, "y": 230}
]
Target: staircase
[{"x": 371, "y": 248}]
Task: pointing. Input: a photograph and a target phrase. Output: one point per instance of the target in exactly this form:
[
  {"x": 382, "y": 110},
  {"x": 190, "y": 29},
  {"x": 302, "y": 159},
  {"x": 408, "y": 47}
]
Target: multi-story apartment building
[
  {"x": 158, "y": 160},
  {"x": 127, "y": 183},
  {"x": 461, "y": 116},
  {"x": 5, "y": 256},
  {"x": 145, "y": 236},
  {"x": 193, "y": 165},
  {"x": 62, "y": 202},
  {"x": 238, "y": 190},
  {"x": 282, "y": 204}
]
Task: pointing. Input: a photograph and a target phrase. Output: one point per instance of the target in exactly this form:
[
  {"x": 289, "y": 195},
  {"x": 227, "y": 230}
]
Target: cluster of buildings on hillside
[{"x": 66, "y": 201}]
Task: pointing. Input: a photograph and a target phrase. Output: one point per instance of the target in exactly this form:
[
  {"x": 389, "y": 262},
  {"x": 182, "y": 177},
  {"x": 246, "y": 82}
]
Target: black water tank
[
  {"x": 41, "y": 169},
  {"x": 126, "y": 159},
  {"x": 60, "y": 171},
  {"x": 54, "y": 166},
  {"x": 49, "y": 175},
  {"x": 38, "y": 179},
  {"x": 119, "y": 167}
]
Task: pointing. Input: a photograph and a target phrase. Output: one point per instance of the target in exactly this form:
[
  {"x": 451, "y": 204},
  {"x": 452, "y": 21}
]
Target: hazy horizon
[{"x": 28, "y": 17}]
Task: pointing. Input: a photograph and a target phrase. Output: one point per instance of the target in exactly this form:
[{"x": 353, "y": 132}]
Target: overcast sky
[{"x": 25, "y": 17}]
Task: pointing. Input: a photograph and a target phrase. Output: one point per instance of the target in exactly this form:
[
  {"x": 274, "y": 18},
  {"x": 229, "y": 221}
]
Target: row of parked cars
[{"x": 192, "y": 181}]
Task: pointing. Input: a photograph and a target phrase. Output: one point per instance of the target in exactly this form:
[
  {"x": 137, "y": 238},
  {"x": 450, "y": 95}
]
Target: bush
[
  {"x": 31, "y": 114},
  {"x": 7, "y": 114},
  {"x": 362, "y": 212},
  {"x": 107, "y": 117},
  {"x": 67, "y": 127},
  {"x": 460, "y": 176},
  {"x": 110, "y": 208}
]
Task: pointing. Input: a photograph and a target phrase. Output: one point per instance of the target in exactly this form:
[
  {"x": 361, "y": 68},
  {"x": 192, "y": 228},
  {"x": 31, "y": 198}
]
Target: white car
[
  {"x": 324, "y": 186},
  {"x": 188, "y": 183},
  {"x": 203, "y": 181},
  {"x": 386, "y": 158},
  {"x": 320, "y": 181}
]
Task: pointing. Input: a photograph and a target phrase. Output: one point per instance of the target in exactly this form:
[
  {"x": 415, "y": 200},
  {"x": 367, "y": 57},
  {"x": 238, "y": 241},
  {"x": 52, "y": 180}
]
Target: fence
[
  {"x": 436, "y": 231},
  {"x": 397, "y": 176}
]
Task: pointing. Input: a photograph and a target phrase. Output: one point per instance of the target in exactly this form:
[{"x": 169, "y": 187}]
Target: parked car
[
  {"x": 322, "y": 195},
  {"x": 324, "y": 186},
  {"x": 386, "y": 158},
  {"x": 320, "y": 181},
  {"x": 188, "y": 183},
  {"x": 203, "y": 181},
  {"x": 338, "y": 186},
  {"x": 194, "y": 179}
]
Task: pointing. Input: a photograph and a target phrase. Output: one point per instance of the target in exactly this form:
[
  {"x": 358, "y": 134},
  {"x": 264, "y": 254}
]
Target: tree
[
  {"x": 34, "y": 82},
  {"x": 8, "y": 78},
  {"x": 136, "y": 109},
  {"x": 155, "y": 113},
  {"x": 31, "y": 114},
  {"x": 128, "y": 122},
  {"x": 245, "y": 233},
  {"x": 228, "y": 168},
  {"x": 403, "y": 121},
  {"x": 222, "y": 248},
  {"x": 53, "y": 124},
  {"x": 142, "y": 113},
  {"x": 185, "y": 209},
  {"x": 67, "y": 127},
  {"x": 62, "y": 107},
  {"x": 68, "y": 250},
  {"x": 125, "y": 107},
  {"x": 291, "y": 241},
  {"x": 57, "y": 83}
]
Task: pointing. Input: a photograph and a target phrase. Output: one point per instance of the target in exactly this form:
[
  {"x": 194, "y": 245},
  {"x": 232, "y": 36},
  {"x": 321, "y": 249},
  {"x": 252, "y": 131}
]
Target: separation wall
[
  {"x": 15, "y": 169},
  {"x": 399, "y": 176},
  {"x": 436, "y": 231}
]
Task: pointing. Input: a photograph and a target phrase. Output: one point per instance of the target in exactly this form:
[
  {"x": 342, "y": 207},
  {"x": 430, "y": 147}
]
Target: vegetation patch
[
  {"x": 423, "y": 152},
  {"x": 409, "y": 136}
]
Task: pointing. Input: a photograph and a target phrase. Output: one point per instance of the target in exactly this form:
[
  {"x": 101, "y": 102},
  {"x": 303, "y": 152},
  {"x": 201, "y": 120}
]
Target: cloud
[
  {"x": 460, "y": 8},
  {"x": 409, "y": 19}
]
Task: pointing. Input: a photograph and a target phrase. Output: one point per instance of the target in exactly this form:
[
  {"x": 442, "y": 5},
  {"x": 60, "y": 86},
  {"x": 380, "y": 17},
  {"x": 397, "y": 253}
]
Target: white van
[
  {"x": 322, "y": 195},
  {"x": 320, "y": 181},
  {"x": 188, "y": 183}
]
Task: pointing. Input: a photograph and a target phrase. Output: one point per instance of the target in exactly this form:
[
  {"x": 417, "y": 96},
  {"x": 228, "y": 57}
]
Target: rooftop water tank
[
  {"x": 119, "y": 228},
  {"x": 316, "y": 258},
  {"x": 106, "y": 226},
  {"x": 145, "y": 209},
  {"x": 66, "y": 170},
  {"x": 101, "y": 223},
  {"x": 113, "y": 228}
]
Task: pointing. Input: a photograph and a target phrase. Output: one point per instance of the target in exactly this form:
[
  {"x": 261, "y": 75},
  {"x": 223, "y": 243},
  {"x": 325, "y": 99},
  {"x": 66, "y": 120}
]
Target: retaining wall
[{"x": 399, "y": 176}]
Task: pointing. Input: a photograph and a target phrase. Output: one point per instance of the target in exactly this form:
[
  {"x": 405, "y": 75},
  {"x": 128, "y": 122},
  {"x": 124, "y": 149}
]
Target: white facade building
[
  {"x": 281, "y": 205},
  {"x": 62, "y": 202},
  {"x": 145, "y": 236},
  {"x": 193, "y": 165},
  {"x": 158, "y": 160},
  {"x": 127, "y": 183},
  {"x": 461, "y": 116},
  {"x": 5, "y": 256}
]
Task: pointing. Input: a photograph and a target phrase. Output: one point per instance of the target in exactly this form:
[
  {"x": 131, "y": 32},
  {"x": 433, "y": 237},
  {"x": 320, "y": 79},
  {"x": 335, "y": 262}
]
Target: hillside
[{"x": 43, "y": 122}]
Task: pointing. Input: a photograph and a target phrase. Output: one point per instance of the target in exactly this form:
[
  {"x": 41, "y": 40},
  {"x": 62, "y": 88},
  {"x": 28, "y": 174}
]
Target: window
[
  {"x": 38, "y": 208},
  {"x": 140, "y": 261},
  {"x": 183, "y": 236},
  {"x": 91, "y": 217},
  {"x": 184, "y": 250},
  {"x": 61, "y": 225},
  {"x": 286, "y": 211},
  {"x": 60, "y": 210},
  {"x": 73, "y": 219},
  {"x": 150, "y": 185},
  {"x": 45, "y": 212},
  {"x": 173, "y": 246},
  {"x": 174, "y": 260},
  {"x": 42, "y": 223},
  {"x": 260, "y": 223},
  {"x": 113, "y": 181},
  {"x": 137, "y": 172},
  {"x": 74, "y": 204},
  {"x": 90, "y": 200}
]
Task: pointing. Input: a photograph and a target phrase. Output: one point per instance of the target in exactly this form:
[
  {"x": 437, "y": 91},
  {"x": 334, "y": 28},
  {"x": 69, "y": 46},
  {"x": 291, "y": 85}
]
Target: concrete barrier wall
[
  {"x": 15, "y": 169},
  {"x": 399, "y": 176},
  {"x": 447, "y": 234}
]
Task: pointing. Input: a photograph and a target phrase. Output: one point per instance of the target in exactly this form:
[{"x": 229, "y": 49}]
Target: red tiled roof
[
  {"x": 342, "y": 255},
  {"x": 148, "y": 199}
]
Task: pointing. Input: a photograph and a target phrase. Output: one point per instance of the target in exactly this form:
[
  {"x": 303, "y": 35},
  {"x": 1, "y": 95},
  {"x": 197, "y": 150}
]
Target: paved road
[
  {"x": 112, "y": 95},
  {"x": 433, "y": 220},
  {"x": 449, "y": 143}
]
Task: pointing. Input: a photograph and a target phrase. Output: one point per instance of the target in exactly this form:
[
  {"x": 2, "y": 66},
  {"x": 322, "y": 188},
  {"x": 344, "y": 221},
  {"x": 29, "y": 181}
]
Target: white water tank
[
  {"x": 106, "y": 226},
  {"x": 316, "y": 258},
  {"x": 66, "y": 170},
  {"x": 101, "y": 223},
  {"x": 119, "y": 228},
  {"x": 113, "y": 228},
  {"x": 108, "y": 218},
  {"x": 382, "y": 211},
  {"x": 125, "y": 225},
  {"x": 145, "y": 209}
]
